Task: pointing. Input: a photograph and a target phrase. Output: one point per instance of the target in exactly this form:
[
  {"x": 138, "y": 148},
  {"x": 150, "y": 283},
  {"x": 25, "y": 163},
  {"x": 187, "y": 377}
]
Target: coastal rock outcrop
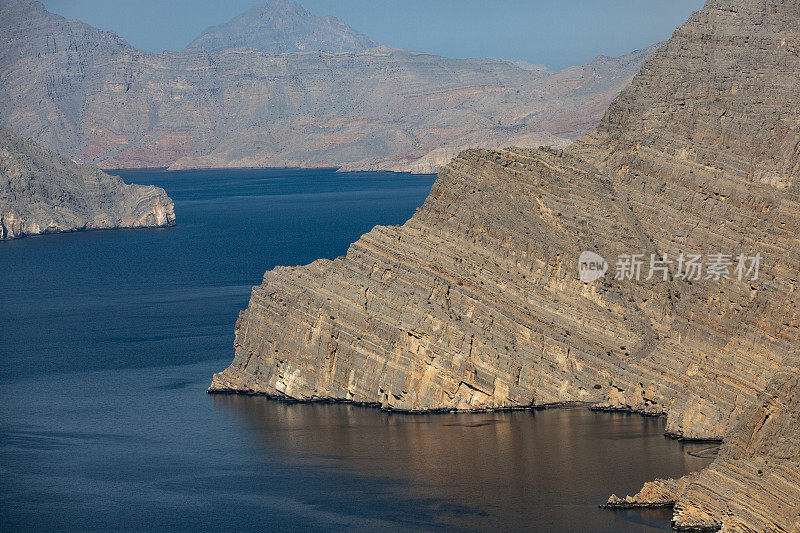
[
  {"x": 280, "y": 87},
  {"x": 754, "y": 485},
  {"x": 41, "y": 192},
  {"x": 476, "y": 302}
]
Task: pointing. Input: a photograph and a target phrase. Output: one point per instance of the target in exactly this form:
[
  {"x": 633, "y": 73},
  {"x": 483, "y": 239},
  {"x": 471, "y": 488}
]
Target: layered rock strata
[
  {"x": 754, "y": 485},
  {"x": 41, "y": 192},
  {"x": 476, "y": 303}
]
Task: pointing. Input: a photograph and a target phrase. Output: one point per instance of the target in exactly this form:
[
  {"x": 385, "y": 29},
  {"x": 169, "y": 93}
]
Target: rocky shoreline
[
  {"x": 42, "y": 193},
  {"x": 10, "y": 232},
  {"x": 435, "y": 410},
  {"x": 577, "y": 404}
]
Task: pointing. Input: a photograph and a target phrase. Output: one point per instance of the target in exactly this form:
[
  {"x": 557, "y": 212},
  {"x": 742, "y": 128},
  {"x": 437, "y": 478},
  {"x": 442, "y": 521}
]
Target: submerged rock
[{"x": 41, "y": 192}]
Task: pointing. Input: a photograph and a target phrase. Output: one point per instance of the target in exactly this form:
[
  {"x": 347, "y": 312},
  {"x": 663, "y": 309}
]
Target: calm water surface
[{"x": 108, "y": 341}]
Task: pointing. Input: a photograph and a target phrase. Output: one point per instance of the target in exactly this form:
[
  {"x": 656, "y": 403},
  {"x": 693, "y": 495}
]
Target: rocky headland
[
  {"x": 278, "y": 86},
  {"x": 41, "y": 192},
  {"x": 476, "y": 303}
]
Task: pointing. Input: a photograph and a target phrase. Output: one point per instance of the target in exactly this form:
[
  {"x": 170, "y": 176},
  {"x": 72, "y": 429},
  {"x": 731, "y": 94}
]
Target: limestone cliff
[
  {"x": 476, "y": 302},
  {"x": 41, "y": 192},
  {"x": 279, "y": 87}
]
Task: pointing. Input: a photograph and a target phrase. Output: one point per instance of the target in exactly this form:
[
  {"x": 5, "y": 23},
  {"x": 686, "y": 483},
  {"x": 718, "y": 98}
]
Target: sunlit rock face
[
  {"x": 41, "y": 192},
  {"x": 476, "y": 302}
]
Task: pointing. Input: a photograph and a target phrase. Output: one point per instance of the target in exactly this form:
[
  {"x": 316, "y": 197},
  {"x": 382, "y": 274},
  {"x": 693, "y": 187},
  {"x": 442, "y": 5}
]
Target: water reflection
[{"x": 546, "y": 470}]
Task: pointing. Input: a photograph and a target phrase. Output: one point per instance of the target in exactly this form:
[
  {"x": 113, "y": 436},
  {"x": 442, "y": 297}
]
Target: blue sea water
[{"x": 108, "y": 340}]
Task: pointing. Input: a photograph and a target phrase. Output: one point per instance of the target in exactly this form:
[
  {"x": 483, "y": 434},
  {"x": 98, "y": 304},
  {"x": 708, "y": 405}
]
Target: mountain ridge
[{"x": 379, "y": 108}]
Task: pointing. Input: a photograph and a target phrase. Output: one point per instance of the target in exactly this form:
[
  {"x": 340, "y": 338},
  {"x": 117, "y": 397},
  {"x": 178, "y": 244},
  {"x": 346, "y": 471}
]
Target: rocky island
[
  {"x": 41, "y": 192},
  {"x": 476, "y": 303},
  {"x": 278, "y": 86}
]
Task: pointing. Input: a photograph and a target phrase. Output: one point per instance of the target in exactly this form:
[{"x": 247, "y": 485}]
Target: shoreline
[
  {"x": 444, "y": 410},
  {"x": 336, "y": 169},
  {"x": 171, "y": 224}
]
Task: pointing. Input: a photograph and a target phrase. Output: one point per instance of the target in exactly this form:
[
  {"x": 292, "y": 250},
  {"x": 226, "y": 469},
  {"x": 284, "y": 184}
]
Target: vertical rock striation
[
  {"x": 475, "y": 302},
  {"x": 41, "y": 192}
]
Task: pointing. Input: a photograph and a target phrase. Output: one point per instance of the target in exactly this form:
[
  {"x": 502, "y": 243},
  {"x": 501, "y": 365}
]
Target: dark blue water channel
[{"x": 108, "y": 340}]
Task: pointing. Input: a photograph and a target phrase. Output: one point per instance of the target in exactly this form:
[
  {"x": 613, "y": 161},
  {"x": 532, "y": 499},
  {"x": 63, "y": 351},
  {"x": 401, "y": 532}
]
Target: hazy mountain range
[{"x": 278, "y": 86}]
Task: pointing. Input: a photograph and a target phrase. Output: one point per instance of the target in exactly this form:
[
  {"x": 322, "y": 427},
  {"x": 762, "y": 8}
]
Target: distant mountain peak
[
  {"x": 272, "y": 6},
  {"x": 279, "y": 26}
]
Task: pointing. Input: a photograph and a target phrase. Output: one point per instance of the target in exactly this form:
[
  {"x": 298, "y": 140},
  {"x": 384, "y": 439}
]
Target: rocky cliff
[
  {"x": 41, "y": 192},
  {"x": 476, "y": 302},
  {"x": 754, "y": 485},
  {"x": 231, "y": 99}
]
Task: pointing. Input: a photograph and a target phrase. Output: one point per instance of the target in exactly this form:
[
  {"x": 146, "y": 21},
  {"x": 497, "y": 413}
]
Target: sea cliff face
[
  {"x": 476, "y": 302},
  {"x": 252, "y": 93},
  {"x": 41, "y": 192}
]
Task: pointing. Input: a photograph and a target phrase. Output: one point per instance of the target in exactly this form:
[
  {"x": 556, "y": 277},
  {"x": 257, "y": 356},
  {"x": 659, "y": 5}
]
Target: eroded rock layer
[
  {"x": 476, "y": 302},
  {"x": 41, "y": 192}
]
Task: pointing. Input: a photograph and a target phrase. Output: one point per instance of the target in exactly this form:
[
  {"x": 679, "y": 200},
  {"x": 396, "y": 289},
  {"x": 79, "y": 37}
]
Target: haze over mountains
[
  {"x": 278, "y": 86},
  {"x": 281, "y": 26}
]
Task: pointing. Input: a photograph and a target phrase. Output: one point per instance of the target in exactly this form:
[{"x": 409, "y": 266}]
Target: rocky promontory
[
  {"x": 476, "y": 302},
  {"x": 41, "y": 192}
]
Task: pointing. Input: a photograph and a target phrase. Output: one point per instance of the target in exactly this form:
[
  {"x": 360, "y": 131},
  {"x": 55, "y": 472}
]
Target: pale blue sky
[{"x": 556, "y": 33}]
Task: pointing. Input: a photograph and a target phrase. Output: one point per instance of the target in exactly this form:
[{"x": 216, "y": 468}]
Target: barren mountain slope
[{"x": 229, "y": 100}]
